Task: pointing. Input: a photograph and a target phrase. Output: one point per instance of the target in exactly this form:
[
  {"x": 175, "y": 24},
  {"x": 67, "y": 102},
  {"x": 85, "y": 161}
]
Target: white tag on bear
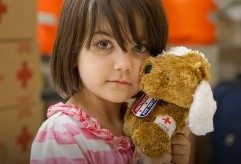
[
  {"x": 167, "y": 123},
  {"x": 144, "y": 106}
]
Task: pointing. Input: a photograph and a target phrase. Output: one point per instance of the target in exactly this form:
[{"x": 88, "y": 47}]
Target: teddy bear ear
[
  {"x": 203, "y": 65},
  {"x": 205, "y": 70},
  {"x": 203, "y": 107}
]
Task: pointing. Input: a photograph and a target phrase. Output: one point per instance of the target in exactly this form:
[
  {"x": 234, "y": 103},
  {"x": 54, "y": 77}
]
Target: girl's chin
[{"x": 118, "y": 98}]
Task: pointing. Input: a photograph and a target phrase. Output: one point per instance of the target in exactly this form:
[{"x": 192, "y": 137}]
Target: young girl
[{"x": 98, "y": 53}]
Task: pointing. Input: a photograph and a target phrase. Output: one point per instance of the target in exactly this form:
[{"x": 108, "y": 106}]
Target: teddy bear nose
[{"x": 148, "y": 68}]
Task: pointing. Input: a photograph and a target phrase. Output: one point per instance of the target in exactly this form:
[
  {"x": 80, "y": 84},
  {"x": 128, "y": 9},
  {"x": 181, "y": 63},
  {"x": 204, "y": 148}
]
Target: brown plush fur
[{"x": 173, "y": 81}]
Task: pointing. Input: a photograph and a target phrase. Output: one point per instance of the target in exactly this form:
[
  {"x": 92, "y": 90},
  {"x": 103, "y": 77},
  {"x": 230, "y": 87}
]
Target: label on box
[{"x": 144, "y": 106}]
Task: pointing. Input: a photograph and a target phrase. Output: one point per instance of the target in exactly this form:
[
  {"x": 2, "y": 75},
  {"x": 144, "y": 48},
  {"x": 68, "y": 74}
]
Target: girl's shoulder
[
  {"x": 58, "y": 115},
  {"x": 69, "y": 127},
  {"x": 61, "y": 120},
  {"x": 60, "y": 108},
  {"x": 66, "y": 114},
  {"x": 76, "y": 121},
  {"x": 67, "y": 118},
  {"x": 63, "y": 136}
]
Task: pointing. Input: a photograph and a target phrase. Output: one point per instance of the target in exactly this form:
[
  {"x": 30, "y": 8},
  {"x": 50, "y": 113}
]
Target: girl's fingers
[
  {"x": 180, "y": 159},
  {"x": 181, "y": 146},
  {"x": 180, "y": 150},
  {"x": 184, "y": 131},
  {"x": 179, "y": 139}
]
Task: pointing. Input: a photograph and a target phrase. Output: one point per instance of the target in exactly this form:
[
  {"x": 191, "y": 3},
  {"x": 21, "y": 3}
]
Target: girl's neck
[{"x": 108, "y": 113}]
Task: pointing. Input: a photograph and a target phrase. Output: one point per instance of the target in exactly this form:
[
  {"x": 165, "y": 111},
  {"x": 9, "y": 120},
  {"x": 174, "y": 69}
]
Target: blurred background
[{"x": 28, "y": 30}]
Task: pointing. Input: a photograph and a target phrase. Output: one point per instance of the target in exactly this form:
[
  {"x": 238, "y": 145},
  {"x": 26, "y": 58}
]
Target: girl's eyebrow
[{"x": 101, "y": 32}]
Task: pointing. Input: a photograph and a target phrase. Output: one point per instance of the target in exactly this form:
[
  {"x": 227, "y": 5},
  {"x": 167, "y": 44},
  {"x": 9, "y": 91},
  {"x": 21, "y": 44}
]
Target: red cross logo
[
  {"x": 24, "y": 48},
  {"x": 24, "y": 139},
  {"x": 24, "y": 74},
  {"x": 3, "y": 9},
  {"x": 166, "y": 120}
]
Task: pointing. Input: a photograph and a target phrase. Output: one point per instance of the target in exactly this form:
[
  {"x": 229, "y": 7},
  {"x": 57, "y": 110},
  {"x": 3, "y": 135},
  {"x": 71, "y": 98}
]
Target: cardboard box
[
  {"x": 18, "y": 126},
  {"x": 17, "y": 19},
  {"x": 20, "y": 75}
]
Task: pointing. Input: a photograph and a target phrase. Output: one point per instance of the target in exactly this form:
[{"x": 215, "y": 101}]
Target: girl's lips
[{"x": 120, "y": 82}]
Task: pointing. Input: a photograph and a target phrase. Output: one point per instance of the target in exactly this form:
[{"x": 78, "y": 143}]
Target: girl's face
[{"x": 107, "y": 71}]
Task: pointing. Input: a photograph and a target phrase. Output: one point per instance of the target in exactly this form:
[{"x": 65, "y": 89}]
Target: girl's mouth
[{"x": 124, "y": 82}]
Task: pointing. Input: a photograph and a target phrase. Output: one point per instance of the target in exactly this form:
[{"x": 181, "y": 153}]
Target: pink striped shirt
[{"x": 69, "y": 135}]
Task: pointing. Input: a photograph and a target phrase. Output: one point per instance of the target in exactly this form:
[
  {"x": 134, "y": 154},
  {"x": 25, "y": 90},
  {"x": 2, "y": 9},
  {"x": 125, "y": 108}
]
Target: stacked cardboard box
[
  {"x": 17, "y": 19},
  {"x": 19, "y": 123},
  {"x": 20, "y": 80}
]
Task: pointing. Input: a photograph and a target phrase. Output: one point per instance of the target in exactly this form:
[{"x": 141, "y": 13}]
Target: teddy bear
[{"x": 175, "y": 91}]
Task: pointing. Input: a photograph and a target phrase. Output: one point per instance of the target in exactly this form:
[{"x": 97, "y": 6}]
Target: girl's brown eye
[
  {"x": 104, "y": 44},
  {"x": 139, "y": 48}
]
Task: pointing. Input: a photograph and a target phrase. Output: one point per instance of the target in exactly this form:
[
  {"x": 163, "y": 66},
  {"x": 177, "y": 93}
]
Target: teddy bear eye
[{"x": 148, "y": 68}]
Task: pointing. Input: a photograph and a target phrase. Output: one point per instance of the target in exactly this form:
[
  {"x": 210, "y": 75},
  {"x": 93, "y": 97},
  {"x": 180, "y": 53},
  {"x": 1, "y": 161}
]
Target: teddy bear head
[{"x": 174, "y": 77}]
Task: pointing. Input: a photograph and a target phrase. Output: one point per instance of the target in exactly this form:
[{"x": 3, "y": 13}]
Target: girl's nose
[{"x": 123, "y": 61}]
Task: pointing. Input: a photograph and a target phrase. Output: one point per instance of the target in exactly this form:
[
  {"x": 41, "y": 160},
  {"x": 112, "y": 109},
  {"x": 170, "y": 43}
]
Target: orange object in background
[
  {"x": 189, "y": 21},
  {"x": 48, "y": 12}
]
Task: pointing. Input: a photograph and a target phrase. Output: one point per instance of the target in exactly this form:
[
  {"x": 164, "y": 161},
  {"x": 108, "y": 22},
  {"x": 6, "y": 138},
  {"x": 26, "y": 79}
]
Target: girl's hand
[{"x": 181, "y": 146}]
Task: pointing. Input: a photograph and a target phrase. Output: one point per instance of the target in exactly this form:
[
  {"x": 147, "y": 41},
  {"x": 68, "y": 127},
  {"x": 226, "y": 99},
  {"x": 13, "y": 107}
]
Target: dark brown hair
[{"x": 78, "y": 22}]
